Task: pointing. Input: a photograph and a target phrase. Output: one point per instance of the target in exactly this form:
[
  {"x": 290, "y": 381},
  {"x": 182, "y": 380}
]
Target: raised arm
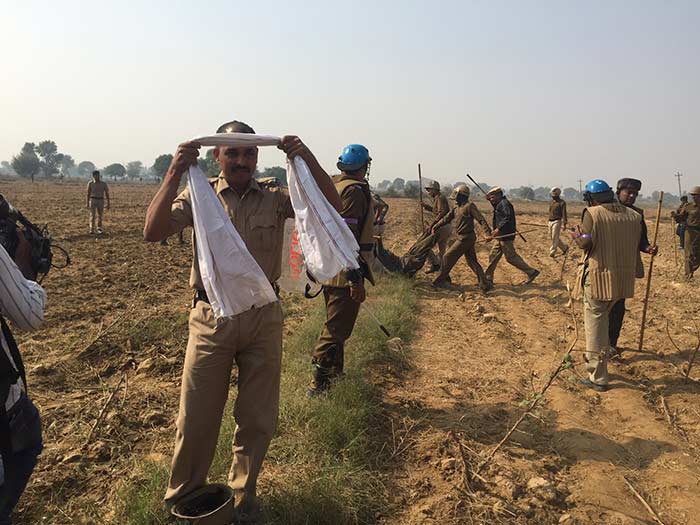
[{"x": 159, "y": 225}]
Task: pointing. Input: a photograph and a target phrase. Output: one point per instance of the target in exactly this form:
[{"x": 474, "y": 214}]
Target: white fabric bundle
[
  {"x": 233, "y": 280},
  {"x": 237, "y": 140},
  {"x": 327, "y": 243}
]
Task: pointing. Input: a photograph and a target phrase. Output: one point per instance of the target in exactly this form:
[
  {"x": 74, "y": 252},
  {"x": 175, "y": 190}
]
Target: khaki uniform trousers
[
  {"x": 506, "y": 248},
  {"x": 442, "y": 236},
  {"x": 462, "y": 246},
  {"x": 97, "y": 207},
  {"x": 554, "y": 234},
  {"x": 341, "y": 314},
  {"x": 253, "y": 339},
  {"x": 596, "y": 319}
]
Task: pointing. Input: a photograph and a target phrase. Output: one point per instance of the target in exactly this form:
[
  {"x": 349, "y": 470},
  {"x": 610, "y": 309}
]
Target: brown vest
[
  {"x": 366, "y": 240},
  {"x": 611, "y": 263}
]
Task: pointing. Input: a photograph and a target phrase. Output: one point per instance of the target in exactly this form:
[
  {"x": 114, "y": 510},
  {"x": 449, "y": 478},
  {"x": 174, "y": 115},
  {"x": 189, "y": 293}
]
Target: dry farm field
[{"x": 116, "y": 322}]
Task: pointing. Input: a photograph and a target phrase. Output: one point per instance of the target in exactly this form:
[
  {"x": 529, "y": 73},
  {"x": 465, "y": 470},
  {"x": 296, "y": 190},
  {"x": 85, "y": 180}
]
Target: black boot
[{"x": 321, "y": 381}]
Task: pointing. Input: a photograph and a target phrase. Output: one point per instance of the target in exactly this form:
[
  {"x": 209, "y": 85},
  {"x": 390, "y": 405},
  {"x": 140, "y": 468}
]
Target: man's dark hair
[
  {"x": 235, "y": 126},
  {"x": 684, "y": 198},
  {"x": 96, "y": 172}
]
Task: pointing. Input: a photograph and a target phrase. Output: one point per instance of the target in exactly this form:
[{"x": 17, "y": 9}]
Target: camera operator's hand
[{"x": 23, "y": 256}]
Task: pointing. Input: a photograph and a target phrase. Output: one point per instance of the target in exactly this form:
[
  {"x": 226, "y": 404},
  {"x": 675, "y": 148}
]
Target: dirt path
[{"x": 476, "y": 358}]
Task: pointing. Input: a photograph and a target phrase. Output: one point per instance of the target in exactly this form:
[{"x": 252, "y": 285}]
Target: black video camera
[{"x": 39, "y": 238}]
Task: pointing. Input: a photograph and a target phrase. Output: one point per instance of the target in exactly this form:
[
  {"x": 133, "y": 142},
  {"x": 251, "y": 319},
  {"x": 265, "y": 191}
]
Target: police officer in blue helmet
[
  {"x": 346, "y": 291},
  {"x": 353, "y": 159},
  {"x": 609, "y": 237}
]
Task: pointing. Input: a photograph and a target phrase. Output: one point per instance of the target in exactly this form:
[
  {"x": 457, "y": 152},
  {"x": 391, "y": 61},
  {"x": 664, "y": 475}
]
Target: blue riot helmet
[
  {"x": 597, "y": 190},
  {"x": 353, "y": 157}
]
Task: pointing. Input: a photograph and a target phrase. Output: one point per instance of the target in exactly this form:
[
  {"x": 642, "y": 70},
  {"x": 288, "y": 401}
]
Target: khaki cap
[
  {"x": 433, "y": 185},
  {"x": 495, "y": 190},
  {"x": 695, "y": 190},
  {"x": 209, "y": 505}
]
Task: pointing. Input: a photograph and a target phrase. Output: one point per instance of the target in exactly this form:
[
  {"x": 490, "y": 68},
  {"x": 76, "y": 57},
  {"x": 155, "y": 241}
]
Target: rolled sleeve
[{"x": 181, "y": 212}]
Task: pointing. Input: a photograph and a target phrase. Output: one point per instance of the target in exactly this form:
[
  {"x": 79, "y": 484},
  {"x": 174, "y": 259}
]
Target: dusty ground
[
  {"x": 122, "y": 307},
  {"x": 473, "y": 371}
]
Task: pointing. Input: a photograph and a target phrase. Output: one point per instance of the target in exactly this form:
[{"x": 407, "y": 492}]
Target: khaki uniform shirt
[
  {"x": 440, "y": 207},
  {"x": 463, "y": 218},
  {"x": 691, "y": 214},
  {"x": 258, "y": 216},
  {"x": 355, "y": 201},
  {"x": 97, "y": 189},
  {"x": 557, "y": 210}
]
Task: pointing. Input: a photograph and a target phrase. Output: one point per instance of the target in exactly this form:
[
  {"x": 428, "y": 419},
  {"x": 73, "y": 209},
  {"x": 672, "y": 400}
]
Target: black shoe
[
  {"x": 615, "y": 353},
  {"x": 532, "y": 276},
  {"x": 321, "y": 382},
  {"x": 434, "y": 268},
  {"x": 442, "y": 283},
  {"x": 594, "y": 386}
]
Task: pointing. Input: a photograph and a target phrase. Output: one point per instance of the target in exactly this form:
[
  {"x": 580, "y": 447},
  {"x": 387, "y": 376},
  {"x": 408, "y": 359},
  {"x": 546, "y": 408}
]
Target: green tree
[
  {"x": 86, "y": 168},
  {"x": 398, "y": 184},
  {"x": 67, "y": 163},
  {"x": 161, "y": 164},
  {"x": 133, "y": 169},
  {"x": 26, "y": 164},
  {"x": 524, "y": 192},
  {"x": 277, "y": 172},
  {"x": 6, "y": 168},
  {"x": 115, "y": 170},
  {"x": 571, "y": 194},
  {"x": 50, "y": 157},
  {"x": 411, "y": 190}
]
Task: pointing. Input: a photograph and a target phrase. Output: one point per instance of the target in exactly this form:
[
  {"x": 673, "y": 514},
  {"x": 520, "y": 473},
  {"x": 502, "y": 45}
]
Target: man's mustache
[{"x": 241, "y": 168}]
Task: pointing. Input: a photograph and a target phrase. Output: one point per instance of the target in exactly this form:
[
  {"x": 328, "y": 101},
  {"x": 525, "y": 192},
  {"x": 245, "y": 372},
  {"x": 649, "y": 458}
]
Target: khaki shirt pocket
[{"x": 263, "y": 230}]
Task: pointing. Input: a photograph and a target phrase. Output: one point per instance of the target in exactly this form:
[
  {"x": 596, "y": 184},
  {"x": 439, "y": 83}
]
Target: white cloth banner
[
  {"x": 327, "y": 243},
  {"x": 233, "y": 280},
  {"x": 237, "y": 140}
]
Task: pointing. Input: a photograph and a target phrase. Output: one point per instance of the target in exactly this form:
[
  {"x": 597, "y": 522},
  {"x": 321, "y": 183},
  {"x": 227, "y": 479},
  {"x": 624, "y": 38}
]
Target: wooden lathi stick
[
  {"x": 420, "y": 195},
  {"x": 651, "y": 267}
]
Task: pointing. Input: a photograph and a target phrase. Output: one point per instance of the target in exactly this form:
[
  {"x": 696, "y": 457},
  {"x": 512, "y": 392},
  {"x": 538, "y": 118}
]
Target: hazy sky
[{"x": 519, "y": 92}]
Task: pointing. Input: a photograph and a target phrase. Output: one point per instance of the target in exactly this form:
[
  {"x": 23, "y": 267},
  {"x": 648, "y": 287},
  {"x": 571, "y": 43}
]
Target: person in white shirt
[{"x": 22, "y": 303}]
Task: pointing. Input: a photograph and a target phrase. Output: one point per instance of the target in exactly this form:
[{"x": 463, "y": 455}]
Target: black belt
[
  {"x": 201, "y": 295},
  {"x": 98, "y": 198}
]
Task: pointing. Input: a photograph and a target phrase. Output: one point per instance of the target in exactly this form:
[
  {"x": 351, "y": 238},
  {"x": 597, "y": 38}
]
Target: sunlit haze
[{"x": 516, "y": 93}]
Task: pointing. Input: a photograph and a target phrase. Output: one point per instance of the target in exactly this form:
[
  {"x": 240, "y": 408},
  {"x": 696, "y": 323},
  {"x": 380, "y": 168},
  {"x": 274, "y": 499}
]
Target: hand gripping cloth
[{"x": 233, "y": 280}]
